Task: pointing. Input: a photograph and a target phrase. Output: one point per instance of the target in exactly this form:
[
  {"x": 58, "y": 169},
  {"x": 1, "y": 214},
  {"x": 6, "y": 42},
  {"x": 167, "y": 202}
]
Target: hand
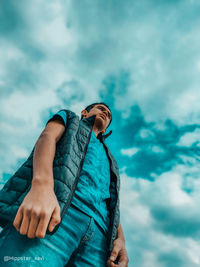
[
  {"x": 38, "y": 207},
  {"x": 119, "y": 251}
]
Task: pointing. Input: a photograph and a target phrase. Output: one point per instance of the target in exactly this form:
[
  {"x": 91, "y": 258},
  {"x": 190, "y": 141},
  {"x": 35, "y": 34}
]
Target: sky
[{"x": 140, "y": 57}]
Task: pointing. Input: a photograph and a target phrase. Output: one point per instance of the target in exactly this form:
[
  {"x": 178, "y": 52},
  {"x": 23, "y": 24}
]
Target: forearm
[
  {"x": 120, "y": 233},
  {"x": 43, "y": 157}
]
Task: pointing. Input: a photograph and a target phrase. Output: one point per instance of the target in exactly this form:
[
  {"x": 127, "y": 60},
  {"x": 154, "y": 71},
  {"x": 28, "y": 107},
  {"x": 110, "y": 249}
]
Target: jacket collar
[
  {"x": 90, "y": 121},
  {"x": 102, "y": 137}
]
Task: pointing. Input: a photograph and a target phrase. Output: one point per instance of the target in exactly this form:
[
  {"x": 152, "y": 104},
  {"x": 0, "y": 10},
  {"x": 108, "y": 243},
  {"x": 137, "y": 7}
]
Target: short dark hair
[{"x": 88, "y": 108}]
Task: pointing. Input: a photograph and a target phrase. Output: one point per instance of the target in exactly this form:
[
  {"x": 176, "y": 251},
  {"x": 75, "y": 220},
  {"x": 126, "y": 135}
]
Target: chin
[{"x": 100, "y": 123}]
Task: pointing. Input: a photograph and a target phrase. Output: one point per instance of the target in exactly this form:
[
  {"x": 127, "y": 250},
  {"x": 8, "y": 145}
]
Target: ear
[{"x": 84, "y": 113}]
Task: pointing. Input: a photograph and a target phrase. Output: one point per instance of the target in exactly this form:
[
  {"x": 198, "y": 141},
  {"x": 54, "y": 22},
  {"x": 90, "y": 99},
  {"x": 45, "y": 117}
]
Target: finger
[
  {"x": 34, "y": 220},
  {"x": 115, "y": 251},
  {"x": 114, "y": 254},
  {"x": 114, "y": 265},
  {"x": 55, "y": 219},
  {"x": 42, "y": 226},
  {"x": 108, "y": 263},
  {"x": 123, "y": 262},
  {"x": 25, "y": 223},
  {"x": 18, "y": 219}
]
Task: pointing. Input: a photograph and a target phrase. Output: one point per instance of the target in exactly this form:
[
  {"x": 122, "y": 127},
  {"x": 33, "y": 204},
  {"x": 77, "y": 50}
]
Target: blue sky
[{"x": 143, "y": 59}]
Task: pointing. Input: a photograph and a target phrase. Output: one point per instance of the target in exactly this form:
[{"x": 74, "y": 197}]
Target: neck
[{"x": 96, "y": 130}]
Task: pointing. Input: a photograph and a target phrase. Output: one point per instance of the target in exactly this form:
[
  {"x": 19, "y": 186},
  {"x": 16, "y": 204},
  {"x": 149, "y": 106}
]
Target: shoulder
[
  {"x": 69, "y": 113},
  {"x": 65, "y": 116}
]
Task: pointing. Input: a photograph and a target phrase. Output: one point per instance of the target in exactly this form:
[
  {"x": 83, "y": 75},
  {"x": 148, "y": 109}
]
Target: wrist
[
  {"x": 120, "y": 233},
  {"x": 121, "y": 238},
  {"x": 38, "y": 181}
]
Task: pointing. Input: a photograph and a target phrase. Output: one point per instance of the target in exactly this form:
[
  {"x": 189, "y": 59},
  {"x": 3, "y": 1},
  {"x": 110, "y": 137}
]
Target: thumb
[
  {"x": 55, "y": 218},
  {"x": 114, "y": 254}
]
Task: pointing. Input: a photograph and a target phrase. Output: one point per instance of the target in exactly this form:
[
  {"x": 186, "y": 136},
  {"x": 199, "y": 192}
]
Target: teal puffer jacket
[{"x": 67, "y": 164}]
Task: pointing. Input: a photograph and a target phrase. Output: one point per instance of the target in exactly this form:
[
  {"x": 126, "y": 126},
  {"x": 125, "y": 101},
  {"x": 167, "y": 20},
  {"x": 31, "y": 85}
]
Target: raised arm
[{"x": 40, "y": 208}]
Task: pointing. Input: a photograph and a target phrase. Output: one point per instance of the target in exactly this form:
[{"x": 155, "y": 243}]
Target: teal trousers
[{"x": 78, "y": 241}]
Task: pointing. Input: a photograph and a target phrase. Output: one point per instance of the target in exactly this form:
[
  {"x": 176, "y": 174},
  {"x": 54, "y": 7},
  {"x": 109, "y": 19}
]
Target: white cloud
[
  {"x": 146, "y": 134},
  {"x": 139, "y": 196},
  {"x": 189, "y": 138},
  {"x": 76, "y": 45},
  {"x": 158, "y": 149},
  {"x": 130, "y": 151}
]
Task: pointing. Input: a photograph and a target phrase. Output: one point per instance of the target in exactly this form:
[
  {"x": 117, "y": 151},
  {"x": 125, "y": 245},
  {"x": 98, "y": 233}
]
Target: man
[{"x": 81, "y": 238}]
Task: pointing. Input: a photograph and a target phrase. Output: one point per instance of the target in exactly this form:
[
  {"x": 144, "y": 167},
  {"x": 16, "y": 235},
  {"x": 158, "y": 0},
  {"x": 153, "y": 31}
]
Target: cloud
[
  {"x": 162, "y": 220},
  {"x": 129, "y": 152},
  {"x": 134, "y": 42},
  {"x": 190, "y": 138},
  {"x": 140, "y": 57}
]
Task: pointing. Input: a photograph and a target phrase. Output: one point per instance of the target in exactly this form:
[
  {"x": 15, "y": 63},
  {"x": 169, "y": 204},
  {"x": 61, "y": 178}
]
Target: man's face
[{"x": 103, "y": 116}]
